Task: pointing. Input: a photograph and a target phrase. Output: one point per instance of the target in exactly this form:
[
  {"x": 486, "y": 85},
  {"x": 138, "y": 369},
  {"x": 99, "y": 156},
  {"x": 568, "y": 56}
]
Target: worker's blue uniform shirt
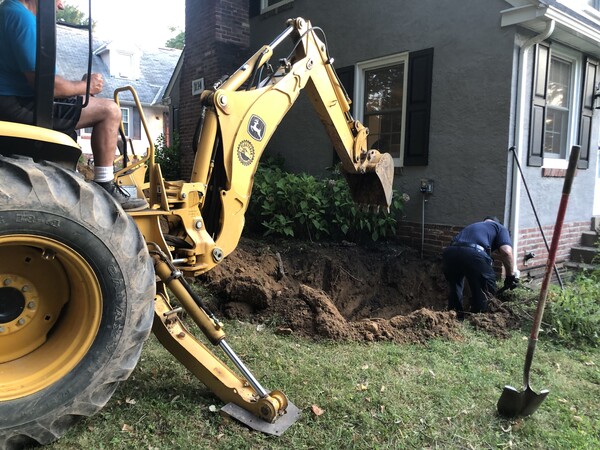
[
  {"x": 488, "y": 234},
  {"x": 17, "y": 48}
]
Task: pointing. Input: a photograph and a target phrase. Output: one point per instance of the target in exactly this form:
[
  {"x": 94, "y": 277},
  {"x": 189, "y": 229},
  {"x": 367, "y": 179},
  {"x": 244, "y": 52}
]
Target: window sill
[
  {"x": 553, "y": 173},
  {"x": 555, "y": 163},
  {"x": 274, "y": 9}
]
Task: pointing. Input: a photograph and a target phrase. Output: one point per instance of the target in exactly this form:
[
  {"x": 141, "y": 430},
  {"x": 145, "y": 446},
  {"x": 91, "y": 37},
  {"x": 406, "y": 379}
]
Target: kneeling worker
[{"x": 469, "y": 255}]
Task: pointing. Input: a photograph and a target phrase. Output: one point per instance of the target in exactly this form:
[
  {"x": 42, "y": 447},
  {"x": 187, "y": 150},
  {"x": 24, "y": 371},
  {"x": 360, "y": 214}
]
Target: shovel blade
[{"x": 513, "y": 403}]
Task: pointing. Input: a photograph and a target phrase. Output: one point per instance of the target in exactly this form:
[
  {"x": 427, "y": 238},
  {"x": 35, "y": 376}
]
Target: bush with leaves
[
  {"x": 168, "y": 157},
  {"x": 300, "y": 205}
]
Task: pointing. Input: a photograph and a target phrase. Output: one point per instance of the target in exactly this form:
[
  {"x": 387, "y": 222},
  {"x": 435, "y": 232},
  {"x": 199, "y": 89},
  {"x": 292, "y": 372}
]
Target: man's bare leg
[{"x": 104, "y": 116}]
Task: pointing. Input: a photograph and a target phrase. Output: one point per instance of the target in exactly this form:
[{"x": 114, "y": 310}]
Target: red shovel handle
[{"x": 560, "y": 217}]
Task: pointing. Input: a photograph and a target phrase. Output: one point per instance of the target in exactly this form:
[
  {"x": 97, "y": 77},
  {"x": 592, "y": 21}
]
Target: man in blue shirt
[
  {"x": 18, "y": 34},
  {"x": 469, "y": 256}
]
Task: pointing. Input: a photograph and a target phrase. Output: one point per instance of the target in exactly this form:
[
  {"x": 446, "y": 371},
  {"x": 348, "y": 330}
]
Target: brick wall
[
  {"x": 437, "y": 237},
  {"x": 217, "y": 41},
  {"x": 531, "y": 241}
]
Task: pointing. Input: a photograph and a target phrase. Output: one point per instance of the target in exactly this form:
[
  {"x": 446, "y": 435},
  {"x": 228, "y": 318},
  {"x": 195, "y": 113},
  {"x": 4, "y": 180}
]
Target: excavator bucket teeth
[
  {"x": 277, "y": 428},
  {"x": 373, "y": 187}
]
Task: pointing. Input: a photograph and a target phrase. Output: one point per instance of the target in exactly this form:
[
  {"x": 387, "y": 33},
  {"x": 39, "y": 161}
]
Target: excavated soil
[{"x": 343, "y": 292}]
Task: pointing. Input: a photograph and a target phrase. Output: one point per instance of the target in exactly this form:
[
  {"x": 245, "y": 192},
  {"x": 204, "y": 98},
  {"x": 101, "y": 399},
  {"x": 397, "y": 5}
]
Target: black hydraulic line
[
  {"x": 198, "y": 130},
  {"x": 516, "y": 160}
]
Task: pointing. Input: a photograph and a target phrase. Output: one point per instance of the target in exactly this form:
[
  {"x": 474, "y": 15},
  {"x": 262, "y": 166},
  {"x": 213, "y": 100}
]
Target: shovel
[{"x": 513, "y": 403}]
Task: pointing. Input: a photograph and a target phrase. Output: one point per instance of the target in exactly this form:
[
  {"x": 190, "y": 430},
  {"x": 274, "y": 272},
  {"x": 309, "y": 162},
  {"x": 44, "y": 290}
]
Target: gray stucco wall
[
  {"x": 471, "y": 98},
  {"x": 546, "y": 191}
]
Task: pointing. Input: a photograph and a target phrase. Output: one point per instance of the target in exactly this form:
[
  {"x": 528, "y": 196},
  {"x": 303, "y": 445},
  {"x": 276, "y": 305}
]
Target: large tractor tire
[{"x": 76, "y": 300}]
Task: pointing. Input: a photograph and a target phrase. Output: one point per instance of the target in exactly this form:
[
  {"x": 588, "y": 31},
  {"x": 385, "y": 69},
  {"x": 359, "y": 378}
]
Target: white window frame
[
  {"x": 584, "y": 6},
  {"x": 576, "y": 61},
  {"x": 264, "y": 5},
  {"x": 124, "y": 62},
  {"x": 126, "y": 131},
  {"x": 359, "y": 91}
]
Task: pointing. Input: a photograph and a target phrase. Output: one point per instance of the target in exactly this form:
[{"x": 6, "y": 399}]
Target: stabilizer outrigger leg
[{"x": 249, "y": 402}]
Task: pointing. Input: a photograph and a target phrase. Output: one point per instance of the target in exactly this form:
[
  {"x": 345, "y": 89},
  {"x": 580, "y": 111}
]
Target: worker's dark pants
[{"x": 476, "y": 266}]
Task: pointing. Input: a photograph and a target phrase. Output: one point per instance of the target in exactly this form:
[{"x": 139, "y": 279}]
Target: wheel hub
[
  {"x": 12, "y": 304},
  {"x": 50, "y": 312}
]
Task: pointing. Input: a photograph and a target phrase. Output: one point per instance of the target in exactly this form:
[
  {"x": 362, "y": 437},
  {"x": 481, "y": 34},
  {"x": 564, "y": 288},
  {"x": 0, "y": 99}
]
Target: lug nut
[
  {"x": 21, "y": 322},
  {"x": 7, "y": 282},
  {"x": 31, "y": 305},
  {"x": 25, "y": 288},
  {"x": 2, "y": 329}
]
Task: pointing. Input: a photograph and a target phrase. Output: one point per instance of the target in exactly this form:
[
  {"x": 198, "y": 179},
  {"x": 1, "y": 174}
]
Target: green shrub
[
  {"x": 574, "y": 313},
  {"x": 168, "y": 157},
  {"x": 303, "y": 206}
]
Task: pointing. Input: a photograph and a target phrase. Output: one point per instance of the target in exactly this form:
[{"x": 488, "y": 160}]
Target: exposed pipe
[
  {"x": 423, "y": 225},
  {"x": 520, "y": 135}
]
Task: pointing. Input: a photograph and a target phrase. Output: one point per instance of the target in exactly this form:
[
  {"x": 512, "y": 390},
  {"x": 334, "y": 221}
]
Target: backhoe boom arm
[{"x": 243, "y": 112}]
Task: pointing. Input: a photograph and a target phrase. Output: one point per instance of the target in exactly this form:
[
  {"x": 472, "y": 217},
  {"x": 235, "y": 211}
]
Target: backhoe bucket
[{"x": 374, "y": 185}]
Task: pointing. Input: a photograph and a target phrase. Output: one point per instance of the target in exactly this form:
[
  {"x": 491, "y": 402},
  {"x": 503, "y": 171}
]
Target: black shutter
[
  {"x": 587, "y": 111},
  {"x": 535, "y": 155},
  {"x": 254, "y": 8},
  {"x": 346, "y": 76},
  {"x": 136, "y": 124},
  {"x": 418, "y": 108}
]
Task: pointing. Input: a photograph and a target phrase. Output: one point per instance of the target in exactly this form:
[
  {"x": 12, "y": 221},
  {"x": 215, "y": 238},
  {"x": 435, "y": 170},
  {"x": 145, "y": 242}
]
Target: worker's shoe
[{"x": 122, "y": 196}]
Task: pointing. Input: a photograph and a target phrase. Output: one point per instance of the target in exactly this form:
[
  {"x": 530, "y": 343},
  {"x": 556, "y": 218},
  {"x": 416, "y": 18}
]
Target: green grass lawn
[{"x": 373, "y": 396}]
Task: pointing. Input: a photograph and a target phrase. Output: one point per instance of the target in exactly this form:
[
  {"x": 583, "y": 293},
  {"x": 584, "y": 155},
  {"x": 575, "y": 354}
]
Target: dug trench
[{"x": 343, "y": 292}]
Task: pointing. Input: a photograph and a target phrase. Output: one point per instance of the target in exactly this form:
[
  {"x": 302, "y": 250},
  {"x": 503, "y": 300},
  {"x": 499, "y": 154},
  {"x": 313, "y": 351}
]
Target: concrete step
[
  {"x": 589, "y": 239},
  {"x": 573, "y": 268},
  {"x": 587, "y": 255}
]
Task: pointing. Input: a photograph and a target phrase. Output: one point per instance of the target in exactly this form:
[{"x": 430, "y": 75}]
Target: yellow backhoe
[{"x": 82, "y": 283}]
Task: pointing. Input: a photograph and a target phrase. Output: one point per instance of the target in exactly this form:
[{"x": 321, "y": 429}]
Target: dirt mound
[{"x": 341, "y": 292}]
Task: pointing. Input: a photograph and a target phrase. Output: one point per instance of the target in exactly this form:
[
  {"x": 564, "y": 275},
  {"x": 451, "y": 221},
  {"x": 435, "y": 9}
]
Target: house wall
[
  {"x": 216, "y": 44},
  {"x": 471, "y": 98},
  {"x": 545, "y": 188}
]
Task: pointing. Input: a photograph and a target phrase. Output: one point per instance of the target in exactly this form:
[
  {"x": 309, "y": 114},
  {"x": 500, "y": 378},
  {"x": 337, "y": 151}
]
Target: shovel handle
[{"x": 560, "y": 217}]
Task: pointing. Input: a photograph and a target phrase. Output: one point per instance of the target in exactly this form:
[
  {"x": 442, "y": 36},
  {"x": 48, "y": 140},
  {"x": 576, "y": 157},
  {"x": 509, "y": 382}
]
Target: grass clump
[{"x": 574, "y": 312}]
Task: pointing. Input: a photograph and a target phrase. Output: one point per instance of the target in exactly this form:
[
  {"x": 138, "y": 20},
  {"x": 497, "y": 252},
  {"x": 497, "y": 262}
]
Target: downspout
[{"x": 520, "y": 137}]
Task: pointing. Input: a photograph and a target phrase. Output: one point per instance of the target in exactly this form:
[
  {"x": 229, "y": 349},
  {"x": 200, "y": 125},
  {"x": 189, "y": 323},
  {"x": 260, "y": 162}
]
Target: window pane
[
  {"x": 558, "y": 86},
  {"x": 555, "y": 139},
  {"x": 384, "y": 88},
  {"x": 384, "y": 98},
  {"x": 125, "y": 119},
  {"x": 558, "y": 103}
]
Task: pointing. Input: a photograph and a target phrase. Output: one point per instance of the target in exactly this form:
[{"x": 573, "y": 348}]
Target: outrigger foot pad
[{"x": 277, "y": 428}]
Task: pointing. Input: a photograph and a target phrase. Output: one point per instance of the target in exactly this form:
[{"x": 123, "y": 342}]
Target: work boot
[{"x": 122, "y": 196}]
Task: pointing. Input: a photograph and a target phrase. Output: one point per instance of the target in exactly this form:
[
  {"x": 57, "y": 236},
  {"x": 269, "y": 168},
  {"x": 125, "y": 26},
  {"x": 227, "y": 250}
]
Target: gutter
[{"x": 521, "y": 145}]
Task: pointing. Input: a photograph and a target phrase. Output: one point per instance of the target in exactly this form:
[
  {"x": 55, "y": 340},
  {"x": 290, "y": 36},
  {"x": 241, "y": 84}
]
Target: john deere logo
[
  {"x": 256, "y": 128},
  {"x": 245, "y": 153}
]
